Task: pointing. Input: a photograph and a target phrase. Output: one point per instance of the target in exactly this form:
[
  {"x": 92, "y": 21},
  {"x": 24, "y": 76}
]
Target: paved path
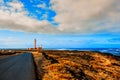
[{"x": 19, "y": 67}]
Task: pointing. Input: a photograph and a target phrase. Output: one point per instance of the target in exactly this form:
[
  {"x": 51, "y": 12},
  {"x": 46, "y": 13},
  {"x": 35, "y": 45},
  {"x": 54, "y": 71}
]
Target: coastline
[
  {"x": 67, "y": 64},
  {"x": 112, "y": 51}
]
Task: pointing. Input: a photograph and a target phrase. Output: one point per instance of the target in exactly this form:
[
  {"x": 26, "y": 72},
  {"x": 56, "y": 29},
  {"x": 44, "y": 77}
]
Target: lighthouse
[
  {"x": 35, "y": 43},
  {"x": 35, "y": 47}
]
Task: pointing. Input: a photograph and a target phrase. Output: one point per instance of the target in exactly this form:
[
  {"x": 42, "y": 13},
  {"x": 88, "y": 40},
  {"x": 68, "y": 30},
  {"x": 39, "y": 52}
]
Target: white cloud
[
  {"x": 85, "y": 16},
  {"x": 73, "y": 16},
  {"x": 1, "y": 1},
  {"x": 15, "y": 18},
  {"x": 43, "y": 5},
  {"x": 16, "y": 6},
  {"x": 11, "y": 42}
]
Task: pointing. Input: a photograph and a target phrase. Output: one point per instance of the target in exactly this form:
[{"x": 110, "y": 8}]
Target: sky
[{"x": 60, "y": 23}]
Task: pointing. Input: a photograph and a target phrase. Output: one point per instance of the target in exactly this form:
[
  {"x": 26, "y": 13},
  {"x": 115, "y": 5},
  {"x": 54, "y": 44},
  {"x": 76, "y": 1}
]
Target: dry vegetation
[{"x": 74, "y": 65}]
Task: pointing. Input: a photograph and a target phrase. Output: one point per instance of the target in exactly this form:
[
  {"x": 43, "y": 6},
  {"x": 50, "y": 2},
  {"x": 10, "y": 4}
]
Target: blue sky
[{"x": 60, "y": 24}]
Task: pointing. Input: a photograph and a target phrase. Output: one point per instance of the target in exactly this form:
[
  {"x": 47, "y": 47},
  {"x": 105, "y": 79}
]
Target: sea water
[{"x": 113, "y": 51}]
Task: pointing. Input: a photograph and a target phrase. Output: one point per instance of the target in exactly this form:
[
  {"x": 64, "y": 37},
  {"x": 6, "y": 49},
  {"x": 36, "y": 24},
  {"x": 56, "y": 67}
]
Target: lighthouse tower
[
  {"x": 39, "y": 49},
  {"x": 35, "y": 43}
]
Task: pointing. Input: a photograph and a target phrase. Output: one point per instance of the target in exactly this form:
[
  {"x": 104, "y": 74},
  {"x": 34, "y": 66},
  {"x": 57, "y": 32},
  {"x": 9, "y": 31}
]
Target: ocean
[{"x": 113, "y": 51}]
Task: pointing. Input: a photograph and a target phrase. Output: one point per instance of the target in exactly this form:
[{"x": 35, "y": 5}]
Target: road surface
[{"x": 19, "y": 67}]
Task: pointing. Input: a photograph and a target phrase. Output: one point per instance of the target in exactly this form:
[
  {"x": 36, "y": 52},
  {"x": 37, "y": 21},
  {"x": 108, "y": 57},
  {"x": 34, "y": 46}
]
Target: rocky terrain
[
  {"x": 78, "y": 65},
  {"x": 74, "y": 65}
]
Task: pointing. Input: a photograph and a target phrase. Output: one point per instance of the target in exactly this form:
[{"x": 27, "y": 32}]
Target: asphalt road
[{"x": 19, "y": 67}]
